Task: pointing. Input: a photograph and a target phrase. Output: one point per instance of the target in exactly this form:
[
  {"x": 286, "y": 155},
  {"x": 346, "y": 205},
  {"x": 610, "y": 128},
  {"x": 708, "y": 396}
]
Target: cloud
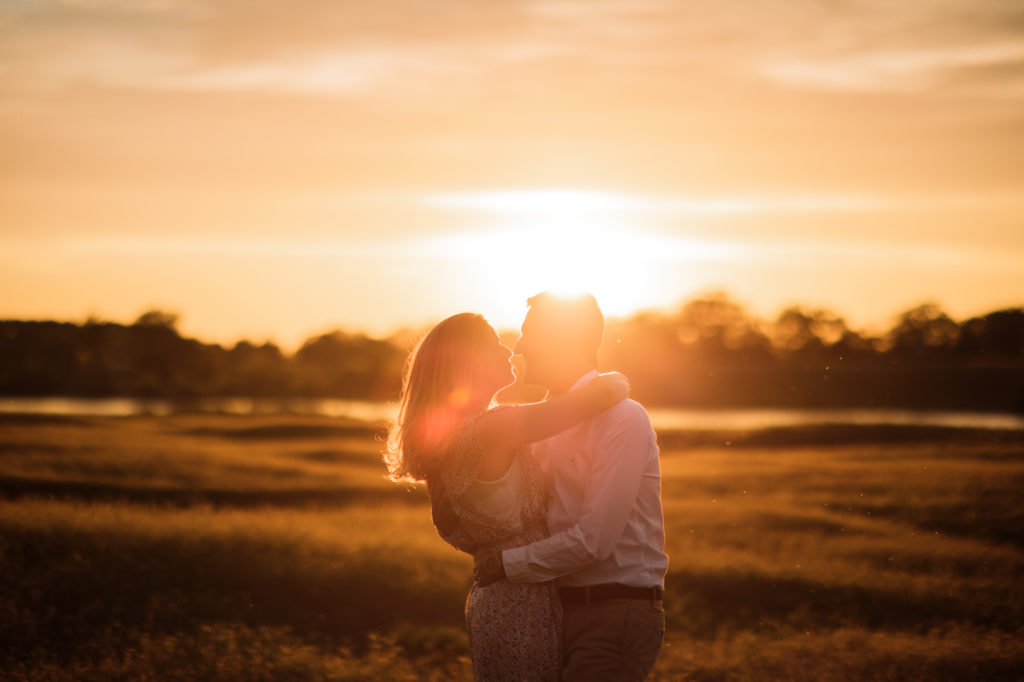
[
  {"x": 219, "y": 246},
  {"x": 334, "y": 48},
  {"x": 349, "y": 46},
  {"x": 869, "y": 46},
  {"x": 49, "y": 45},
  {"x": 342, "y": 72},
  {"x": 576, "y": 202},
  {"x": 900, "y": 70}
]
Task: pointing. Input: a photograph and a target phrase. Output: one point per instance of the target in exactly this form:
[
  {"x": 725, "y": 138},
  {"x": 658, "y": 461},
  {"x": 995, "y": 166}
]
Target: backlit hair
[{"x": 442, "y": 384}]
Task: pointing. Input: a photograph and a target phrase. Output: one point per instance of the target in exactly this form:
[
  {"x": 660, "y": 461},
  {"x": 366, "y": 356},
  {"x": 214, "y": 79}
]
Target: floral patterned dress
[{"x": 515, "y": 630}]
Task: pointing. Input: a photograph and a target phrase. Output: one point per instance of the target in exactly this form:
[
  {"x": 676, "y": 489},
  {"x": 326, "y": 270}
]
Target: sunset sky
[{"x": 273, "y": 170}]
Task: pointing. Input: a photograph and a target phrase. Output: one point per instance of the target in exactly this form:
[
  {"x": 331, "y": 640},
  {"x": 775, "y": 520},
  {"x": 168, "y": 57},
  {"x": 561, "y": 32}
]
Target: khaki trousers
[{"x": 614, "y": 640}]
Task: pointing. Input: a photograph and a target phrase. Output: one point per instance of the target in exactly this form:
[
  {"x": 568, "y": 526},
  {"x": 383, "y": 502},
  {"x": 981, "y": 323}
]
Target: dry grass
[{"x": 229, "y": 548}]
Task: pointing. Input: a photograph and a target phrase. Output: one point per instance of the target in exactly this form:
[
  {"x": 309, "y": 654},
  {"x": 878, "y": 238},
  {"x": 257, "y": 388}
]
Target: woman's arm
[{"x": 503, "y": 432}]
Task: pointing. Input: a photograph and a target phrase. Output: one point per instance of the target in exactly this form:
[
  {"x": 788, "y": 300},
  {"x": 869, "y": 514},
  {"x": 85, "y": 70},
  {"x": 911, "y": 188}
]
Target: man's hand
[{"x": 488, "y": 567}]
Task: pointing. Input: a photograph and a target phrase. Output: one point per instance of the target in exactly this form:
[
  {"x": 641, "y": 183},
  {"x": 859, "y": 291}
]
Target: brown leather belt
[{"x": 596, "y": 593}]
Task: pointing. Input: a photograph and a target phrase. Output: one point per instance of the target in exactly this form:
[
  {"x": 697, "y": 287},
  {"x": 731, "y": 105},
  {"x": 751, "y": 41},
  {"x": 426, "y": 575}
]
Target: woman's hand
[{"x": 614, "y": 387}]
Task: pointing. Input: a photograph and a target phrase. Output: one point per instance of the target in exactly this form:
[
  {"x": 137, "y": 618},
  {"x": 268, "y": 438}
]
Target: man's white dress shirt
[{"x": 604, "y": 506}]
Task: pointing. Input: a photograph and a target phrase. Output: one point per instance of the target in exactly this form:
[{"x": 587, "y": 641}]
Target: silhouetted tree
[
  {"x": 643, "y": 347},
  {"x": 999, "y": 334},
  {"x": 346, "y": 365},
  {"x": 923, "y": 330},
  {"x": 799, "y": 330},
  {"x": 157, "y": 318},
  {"x": 717, "y": 328},
  {"x": 257, "y": 371},
  {"x": 709, "y": 351}
]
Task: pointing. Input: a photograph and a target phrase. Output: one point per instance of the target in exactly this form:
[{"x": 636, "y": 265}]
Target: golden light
[{"x": 568, "y": 241}]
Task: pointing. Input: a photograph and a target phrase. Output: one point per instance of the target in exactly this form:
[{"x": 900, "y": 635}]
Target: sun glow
[{"x": 567, "y": 241}]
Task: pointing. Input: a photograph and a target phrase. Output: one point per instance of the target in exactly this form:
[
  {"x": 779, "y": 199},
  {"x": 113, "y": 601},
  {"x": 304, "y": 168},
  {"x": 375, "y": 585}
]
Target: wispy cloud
[
  {"x": 572, "y": 202},
  {"x": 874, "y": 46},
  {"x": 902, "y": 70},
  {"x": 218, "y": 246},
  {"x": 348, "y": 47},
  {"x": 175, "y": 45},
  {"x": 342, "y": 72}
]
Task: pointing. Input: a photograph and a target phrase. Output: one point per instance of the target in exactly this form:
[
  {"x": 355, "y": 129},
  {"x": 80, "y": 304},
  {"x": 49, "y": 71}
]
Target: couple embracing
[{"x": 559, "y": 501}]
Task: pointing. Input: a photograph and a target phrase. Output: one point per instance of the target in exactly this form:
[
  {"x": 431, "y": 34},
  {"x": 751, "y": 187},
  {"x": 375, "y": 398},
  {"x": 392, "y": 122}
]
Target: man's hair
[{"x": 576, "y": 321}]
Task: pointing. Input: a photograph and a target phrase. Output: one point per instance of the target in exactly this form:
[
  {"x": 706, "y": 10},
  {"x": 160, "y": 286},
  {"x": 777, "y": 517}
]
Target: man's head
[{"x": 560, "y": 338}]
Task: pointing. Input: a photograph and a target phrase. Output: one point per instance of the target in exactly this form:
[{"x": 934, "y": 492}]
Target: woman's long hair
[{"x": 443, "y": 383}]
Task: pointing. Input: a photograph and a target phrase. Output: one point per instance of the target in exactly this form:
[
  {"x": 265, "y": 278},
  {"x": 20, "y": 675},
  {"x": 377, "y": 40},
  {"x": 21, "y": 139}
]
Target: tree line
[
  {"x": 712, "y": 353},
  {"x": 709, "y": 352}
]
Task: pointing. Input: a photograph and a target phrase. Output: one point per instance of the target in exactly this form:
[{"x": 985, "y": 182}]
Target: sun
[
  {"x": 569, "y": 256},
  {"x": 566, "y": 242}
]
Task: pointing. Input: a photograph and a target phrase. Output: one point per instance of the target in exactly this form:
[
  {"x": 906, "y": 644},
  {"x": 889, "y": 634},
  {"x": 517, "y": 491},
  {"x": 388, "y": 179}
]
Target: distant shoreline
[
  {"x": 301, "y": 427},
  {"x": 662, "y": 416}
]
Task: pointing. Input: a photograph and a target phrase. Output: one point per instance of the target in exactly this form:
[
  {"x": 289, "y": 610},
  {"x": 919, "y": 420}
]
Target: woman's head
[{"x": 454, "y": 371}]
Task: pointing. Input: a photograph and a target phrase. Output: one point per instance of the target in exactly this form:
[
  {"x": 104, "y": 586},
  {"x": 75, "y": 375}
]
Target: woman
[{"x": 486, "y": 491}]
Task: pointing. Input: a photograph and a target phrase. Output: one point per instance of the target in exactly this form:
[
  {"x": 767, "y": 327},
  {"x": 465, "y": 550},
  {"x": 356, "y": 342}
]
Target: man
[{"x": 607, "y": 533}]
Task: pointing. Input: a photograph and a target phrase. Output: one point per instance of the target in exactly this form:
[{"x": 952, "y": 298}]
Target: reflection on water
[
  {"x": 362, "y": 410},
  {"x": 743, "y": 420},
  {"x": 662, "y": 418}
]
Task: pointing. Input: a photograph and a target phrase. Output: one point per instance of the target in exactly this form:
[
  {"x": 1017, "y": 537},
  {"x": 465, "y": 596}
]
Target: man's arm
[{"x": 620, "y": 460}]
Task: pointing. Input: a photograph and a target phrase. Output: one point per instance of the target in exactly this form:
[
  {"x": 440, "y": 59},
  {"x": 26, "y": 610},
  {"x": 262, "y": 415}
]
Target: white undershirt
[{"x": 501, "y": 498}]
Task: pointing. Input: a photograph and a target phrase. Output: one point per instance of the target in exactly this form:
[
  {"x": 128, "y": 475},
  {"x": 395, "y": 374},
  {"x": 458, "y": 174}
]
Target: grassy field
[{"x": 272, "y": 548}]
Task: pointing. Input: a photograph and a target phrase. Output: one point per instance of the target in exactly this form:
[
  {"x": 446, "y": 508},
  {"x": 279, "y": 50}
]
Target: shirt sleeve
[{"x": 620, "y": 460}]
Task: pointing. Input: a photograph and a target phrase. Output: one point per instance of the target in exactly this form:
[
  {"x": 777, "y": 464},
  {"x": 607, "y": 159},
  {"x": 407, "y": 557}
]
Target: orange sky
[{"x": 274, "y": 170}]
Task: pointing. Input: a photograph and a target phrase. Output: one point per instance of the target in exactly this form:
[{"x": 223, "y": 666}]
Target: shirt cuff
[{"x": 515, "y": 564}]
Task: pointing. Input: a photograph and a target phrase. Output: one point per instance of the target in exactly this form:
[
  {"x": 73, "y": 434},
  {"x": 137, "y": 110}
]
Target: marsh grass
[{"x": 231, "y": 548}]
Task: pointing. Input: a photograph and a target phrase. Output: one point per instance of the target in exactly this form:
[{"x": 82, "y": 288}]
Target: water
[
  {"x": 752, "y": 419},
  {"x": 362, "y": 410},
  {"x": 662, "y": 418}
]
